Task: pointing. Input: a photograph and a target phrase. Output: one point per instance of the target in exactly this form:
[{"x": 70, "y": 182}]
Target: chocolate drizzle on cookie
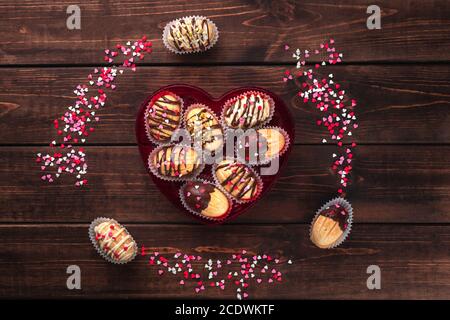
[
  {"x": 176, "y": 161},
  {"x": 202, "y": 124},
  {"x": 191, "y": 34},
  {"x": 163, "y": 116},
  {"x": 248, "y": 110},
  {"x": 238, "y": 180}
]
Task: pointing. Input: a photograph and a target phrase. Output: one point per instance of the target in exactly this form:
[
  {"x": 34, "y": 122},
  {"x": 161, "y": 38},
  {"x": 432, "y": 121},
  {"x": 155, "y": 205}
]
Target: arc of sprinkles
[
  {"x": 77, "y": 123},
  {"x": 337, "y": 108}
]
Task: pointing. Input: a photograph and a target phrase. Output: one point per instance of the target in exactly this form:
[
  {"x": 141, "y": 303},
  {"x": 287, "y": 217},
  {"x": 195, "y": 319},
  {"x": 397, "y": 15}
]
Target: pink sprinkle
[
  {"x": 333, "y": 103},
  {"x": 77, "y": 120},
  {"x": 177, "y": 265}
]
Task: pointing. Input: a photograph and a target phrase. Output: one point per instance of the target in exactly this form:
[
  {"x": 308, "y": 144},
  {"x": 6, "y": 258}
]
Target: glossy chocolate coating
[
  {"x": 206, "y": 199},
  {"x": 338, "y": 214}
]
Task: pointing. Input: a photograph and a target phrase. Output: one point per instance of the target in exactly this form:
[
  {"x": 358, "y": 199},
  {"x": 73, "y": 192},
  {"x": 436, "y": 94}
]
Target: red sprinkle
[
  {"x": 76, "y": 123},
  {"x": 212, "y": 274},
  {"x": 337, "y": 108}
]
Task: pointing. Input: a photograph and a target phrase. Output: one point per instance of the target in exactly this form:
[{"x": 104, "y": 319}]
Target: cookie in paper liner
[
  {"x": 205, "y": 200},
  {"x": 238, "y": 180},
  {"x": 112, "y": 240},
  {"x": 332, "y": 223},
  {"x": 163, "y": 116},
  {"x": 261, "y": 146},
  {"x": 251, "y": 109},
  {"x": 176, "y": 162},
  {"x": 204, "y": 127},
  {"x": 190, "y": 34}
]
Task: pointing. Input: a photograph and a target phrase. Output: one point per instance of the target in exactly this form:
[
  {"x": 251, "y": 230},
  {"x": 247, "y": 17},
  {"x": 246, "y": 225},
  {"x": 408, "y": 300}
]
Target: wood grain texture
[
  {"x": 414, "y": 262},
  {"x": 34, "y": 32},
  {"x": 400, "y": 76},
  {"x": 396, "y": 104},
  {"x": 392, "y": 184}
]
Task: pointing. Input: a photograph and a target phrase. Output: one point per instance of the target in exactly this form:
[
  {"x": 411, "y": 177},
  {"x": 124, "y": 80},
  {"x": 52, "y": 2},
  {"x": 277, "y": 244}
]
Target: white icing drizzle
[
  {"x": 107, "y": 240},
  {"x": 190, "y": 34},
  {"x": 248, "y": 111}
]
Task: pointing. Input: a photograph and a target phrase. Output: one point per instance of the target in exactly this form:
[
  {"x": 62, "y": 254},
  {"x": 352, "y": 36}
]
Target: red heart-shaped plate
[{"x": 281, "y": 118}]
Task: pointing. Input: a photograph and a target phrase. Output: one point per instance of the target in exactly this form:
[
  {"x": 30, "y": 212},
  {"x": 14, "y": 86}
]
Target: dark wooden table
[{"x": 401, "y": 192}]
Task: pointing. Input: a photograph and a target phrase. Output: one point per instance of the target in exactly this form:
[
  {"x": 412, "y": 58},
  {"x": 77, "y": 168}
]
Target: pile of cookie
[{"x": 241, "y": 124}]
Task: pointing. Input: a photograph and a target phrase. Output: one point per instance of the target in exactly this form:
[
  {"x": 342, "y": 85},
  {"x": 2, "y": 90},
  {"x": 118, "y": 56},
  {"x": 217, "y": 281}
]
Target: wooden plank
[
  {"x": 392, "y": 184},
  {"x": 35, "y": 32},
  {"x": 397, "y": 104},
  {"x": 414, "y": 262}
]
